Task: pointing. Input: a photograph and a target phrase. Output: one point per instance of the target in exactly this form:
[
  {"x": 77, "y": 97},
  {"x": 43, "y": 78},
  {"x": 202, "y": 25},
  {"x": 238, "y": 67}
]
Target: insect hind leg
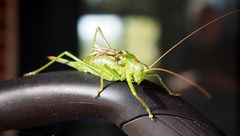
[
  {"x": 51, "y": 62},
  {"x": 98, "y": 30}
]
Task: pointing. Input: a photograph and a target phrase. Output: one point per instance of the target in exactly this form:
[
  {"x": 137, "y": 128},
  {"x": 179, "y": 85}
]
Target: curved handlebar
[{"x": 69, "y": 95}]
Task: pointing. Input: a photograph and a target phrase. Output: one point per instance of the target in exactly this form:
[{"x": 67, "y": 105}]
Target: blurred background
[{"x": 32, "y": 30}]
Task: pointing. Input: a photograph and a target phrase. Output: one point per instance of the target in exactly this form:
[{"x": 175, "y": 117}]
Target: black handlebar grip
[{"x": 69, "y": 95}]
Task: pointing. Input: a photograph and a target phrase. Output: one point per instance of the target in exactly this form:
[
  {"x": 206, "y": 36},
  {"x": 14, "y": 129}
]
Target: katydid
[{"x": 120, "y": 65}]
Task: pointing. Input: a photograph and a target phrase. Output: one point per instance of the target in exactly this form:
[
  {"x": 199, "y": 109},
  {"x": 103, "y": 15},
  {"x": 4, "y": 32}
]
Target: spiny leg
[
  {"x": 112, "y": 72},
  {"x": 105, "y": 68},
  {"x": 163, "y": 84},
  {"x": 74, "y": 64},
  {"x": 150, "y": 115},
  {"x": 101, "y": 85},
  {"x": 200, "y": 88},
  {"x": 98, "y": 30},
  {"x": 52, "y": 61},
  {"x": 94, "y": 69},
  {"x": 100, "y": 71}
]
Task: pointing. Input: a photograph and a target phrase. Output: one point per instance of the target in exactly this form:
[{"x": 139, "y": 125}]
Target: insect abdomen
[{"x": 107, "y": 66}]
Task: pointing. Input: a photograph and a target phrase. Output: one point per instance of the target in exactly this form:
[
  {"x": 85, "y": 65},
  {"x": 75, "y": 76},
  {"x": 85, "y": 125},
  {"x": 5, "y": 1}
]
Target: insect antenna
[
  {"x": 191, "y": 34},
  {"x": 200, "y": 88}
]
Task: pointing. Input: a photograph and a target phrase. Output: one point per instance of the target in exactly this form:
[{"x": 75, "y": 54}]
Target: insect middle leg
[
  {"x": 109, "y": 74},
  {"x": 101, "y": 85},
  {"x": 163, "y": 84},
  {"x": 99, "y": 71},
  {"x": 52, "y": 61},
  {"x": 150, "y": 115}
]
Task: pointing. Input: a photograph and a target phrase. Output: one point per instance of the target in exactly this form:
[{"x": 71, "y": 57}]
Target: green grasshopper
[{"x": 120, "y": 65}]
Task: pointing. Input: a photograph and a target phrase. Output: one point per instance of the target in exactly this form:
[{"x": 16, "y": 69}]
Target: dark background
[{"x": 49, "y": 27}]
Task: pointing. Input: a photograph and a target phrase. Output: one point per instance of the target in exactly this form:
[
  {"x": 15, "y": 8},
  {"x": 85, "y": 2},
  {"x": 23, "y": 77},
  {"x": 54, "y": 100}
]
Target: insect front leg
[
  {"x": 163, "y": 84},
  {"x": 150, "y": 115},
  {"x": 52, "y": 61}
]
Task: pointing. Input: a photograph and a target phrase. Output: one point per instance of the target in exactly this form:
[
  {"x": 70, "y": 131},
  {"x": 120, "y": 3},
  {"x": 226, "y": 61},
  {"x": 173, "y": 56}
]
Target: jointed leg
[
  {"x": 101, "y": 85},
  {"x": 111, "y": 72},
  {"x": 98, "y": 30},
  {"x": 52, "y": 61},
  {"x": 163, "y": 84},
  {"x": 150, "y": 115}
]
